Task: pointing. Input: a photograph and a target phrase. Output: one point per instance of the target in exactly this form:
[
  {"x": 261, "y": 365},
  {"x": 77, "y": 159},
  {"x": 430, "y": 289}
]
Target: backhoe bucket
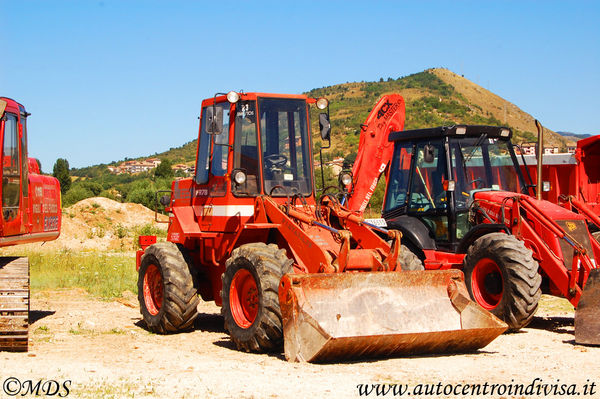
[
  {"x": 351, "y": 315},
  {"x": 587, "y": 315}
]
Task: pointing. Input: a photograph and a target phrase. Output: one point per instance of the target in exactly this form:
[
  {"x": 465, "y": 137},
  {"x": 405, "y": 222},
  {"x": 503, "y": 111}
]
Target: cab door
[
  {"x": 12, "y": 201},
  {"x": 209, "y": 198}
]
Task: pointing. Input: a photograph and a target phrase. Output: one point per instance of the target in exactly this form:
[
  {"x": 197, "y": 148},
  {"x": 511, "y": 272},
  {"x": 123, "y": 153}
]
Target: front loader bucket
[
  {"x": 587, "y": 315},
  {"x": 350, "y": 315}
]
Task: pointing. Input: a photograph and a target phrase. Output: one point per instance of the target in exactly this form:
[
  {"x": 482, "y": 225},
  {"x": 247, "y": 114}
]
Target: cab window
[
  {"x": 399, "y": 177},
  {"x": 245, "y": 148},
  {"x": 11, "y": 175},
  {"x": 218, "y": 142},
  {"x": 428, "y": 199}
]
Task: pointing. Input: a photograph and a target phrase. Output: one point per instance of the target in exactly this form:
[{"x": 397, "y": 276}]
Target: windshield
[
  {"x": 482, "y": 163},
  {"x": 284, "y": 144}
]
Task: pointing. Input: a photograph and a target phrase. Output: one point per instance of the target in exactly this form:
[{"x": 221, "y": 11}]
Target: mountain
[
  {"x": 433, "y": 97},
  {"x": 574, "y": 136}
]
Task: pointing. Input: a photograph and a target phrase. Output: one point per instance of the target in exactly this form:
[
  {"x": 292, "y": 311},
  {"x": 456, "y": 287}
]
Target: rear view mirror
[
  {"x": 428, "y": 153},
  {"x": 324, "y": 126},
  {"x": 214, "y": 120},
  {"x": 2, "y": 107}
]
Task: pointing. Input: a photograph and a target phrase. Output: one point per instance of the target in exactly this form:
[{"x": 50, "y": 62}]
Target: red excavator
[
  {"x": 460, "y": 199},
  {"x": 30, "y": 213},
  {"x": 250, "y": 232}
]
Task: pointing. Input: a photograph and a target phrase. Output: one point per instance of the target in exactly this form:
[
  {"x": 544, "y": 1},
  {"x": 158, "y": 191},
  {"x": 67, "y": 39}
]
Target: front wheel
[
  {"x": 502, "y": 277},
  {"x": 250, "y": 296}
]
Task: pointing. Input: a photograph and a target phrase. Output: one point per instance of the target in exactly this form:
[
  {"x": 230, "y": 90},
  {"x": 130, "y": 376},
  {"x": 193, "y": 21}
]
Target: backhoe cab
[
  {"x": 459, "y": 198},
  {"x": 435, "y": 174}
]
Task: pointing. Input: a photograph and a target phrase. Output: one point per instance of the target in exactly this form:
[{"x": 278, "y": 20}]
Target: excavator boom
[{"x": 374, "y": 149}]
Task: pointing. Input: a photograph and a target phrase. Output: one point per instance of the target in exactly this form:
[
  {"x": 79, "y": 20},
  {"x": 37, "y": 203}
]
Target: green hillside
[
  {"x": 430, "y": 101},
  {"x": 433, "y": 97}
]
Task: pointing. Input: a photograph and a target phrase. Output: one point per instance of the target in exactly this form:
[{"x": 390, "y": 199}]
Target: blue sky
[{"x": 110, "y": 79}]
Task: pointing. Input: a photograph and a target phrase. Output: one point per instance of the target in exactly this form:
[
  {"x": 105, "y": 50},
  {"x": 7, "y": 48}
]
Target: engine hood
[{"x": 553, "y": 211}]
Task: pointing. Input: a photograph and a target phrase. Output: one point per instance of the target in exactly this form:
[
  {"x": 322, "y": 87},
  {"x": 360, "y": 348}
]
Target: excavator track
[{"x": 14, "y": 304}]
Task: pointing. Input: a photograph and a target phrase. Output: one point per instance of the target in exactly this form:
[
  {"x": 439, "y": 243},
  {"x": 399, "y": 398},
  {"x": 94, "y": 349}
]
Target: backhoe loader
[{"x": 459, "y": 197}]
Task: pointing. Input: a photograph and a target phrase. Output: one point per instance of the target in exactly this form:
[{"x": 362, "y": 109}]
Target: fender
[
  {"x": 414, "y": 231},
  {"x": 477, "y": 232}
]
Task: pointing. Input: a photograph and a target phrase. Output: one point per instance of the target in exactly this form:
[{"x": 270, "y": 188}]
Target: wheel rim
[
  {"x": 153, "y": 289},
  {"x": 487, "y": 284},
  {"x": 243, "y": 298}
]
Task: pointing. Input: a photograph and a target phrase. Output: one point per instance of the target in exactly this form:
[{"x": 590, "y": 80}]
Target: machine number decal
[
  {"x": 245, "y": 111},
  {"x": 50, "y": 223}
]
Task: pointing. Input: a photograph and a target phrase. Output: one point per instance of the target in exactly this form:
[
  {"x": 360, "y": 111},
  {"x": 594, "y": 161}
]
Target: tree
[
  {"x": 61, "y": 172},
  {"x": 164, "y": 169}
]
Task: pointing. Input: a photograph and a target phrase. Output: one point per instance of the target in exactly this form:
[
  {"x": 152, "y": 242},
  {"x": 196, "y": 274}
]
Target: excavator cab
[
  {"x": 13, "y": 133},
  {"x": 30, "y": 213}
]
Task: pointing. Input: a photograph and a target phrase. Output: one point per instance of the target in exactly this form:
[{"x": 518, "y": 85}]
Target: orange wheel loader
[
  {"x": 30, "y": 213},
  {"x": 249, "y": 232}
]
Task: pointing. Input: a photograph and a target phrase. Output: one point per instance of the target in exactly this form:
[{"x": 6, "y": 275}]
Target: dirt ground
[{"x": 101, "y": 347}]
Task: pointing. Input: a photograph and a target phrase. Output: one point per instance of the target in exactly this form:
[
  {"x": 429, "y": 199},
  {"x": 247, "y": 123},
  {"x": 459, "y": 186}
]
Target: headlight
[
  {"x": 346, "y": 179},
  {"x": 233, "y": 97},
  {"x": 322, "y": 103},
  {"x": 239, "y": 177},
  {"x": 504, "y": 132}
]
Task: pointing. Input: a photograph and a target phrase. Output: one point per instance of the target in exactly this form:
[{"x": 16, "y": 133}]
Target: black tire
[
  {"x": 408, "y": 260},
  {"x": 512, "y": 281},
  {"x": 178, "y": 308},
  {"x": 265, "y": 264}
]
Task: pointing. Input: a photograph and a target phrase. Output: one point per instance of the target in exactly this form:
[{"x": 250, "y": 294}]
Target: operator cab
[
  {"x": 13, "y": 171},
  {"x": 260, "y": 141},
  {"x": 435, "y": 174}
]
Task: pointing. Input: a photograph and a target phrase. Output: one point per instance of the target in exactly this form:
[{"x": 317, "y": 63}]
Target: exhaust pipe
[{"x": 540, "y": 153}]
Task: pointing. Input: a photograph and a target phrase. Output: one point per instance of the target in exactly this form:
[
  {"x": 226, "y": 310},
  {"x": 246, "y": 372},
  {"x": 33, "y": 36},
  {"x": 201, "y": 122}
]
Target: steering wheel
[
  {"x": 420, "y": 200},
  {"x": 276, "y": 160},
  {"x": 478, "y": 180},
  {"x": 286, "y": 190}
]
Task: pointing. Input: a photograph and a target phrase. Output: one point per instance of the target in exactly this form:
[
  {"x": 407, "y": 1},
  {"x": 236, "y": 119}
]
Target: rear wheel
[
  {"x": 166, "y": 292},
  {"x": 250, "y": 296},
  {"x": 502, "y": 277}
]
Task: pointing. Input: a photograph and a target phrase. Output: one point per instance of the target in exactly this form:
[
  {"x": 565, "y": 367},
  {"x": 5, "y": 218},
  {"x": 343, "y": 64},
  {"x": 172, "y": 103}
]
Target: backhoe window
[
  {"x": 399, "y": 177},
  {"x": 245, "y": 148},
  {"x": 284, "y": 141},
  {"x": 428, "y": 199},
  {"x": 482, "y": 164},
  {"x": 427, "y": 192}
]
